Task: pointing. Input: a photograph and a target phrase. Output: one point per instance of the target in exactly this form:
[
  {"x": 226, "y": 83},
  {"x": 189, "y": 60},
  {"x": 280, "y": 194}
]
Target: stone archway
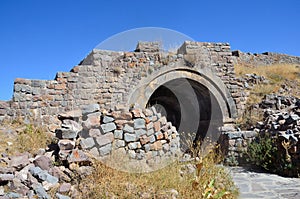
[{"x": 194, "y": 102}]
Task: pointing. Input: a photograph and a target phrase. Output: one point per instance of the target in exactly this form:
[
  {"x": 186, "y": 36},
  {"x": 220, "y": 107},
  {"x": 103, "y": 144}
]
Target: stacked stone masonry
[
  {"x": 141, "y": 134},
  {"x": 108, "y": 78}
]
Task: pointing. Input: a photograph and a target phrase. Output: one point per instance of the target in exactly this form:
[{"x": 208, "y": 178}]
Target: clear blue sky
[{"x": 40, "y": 37}]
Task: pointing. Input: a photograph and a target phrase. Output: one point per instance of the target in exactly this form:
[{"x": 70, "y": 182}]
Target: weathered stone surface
[
  {"x": 66, "y": 144},
  {"x": 78, "y": 156},
  {"x": 43, "y": 162},
  {"x": 105, "y": 150},
  {"x": 19, "y": 161},
  {"x": 128, "y": 137},
  {"x": 90, "y": 109},
  {"x": 63, "y": 133},
  {"x": 119, "y": 143},
  {"x": 156, "y": 146},
  {"x": 137, "y": 113},
  {"x": 144, "y": 139},
  {"x": 118, "y": 134},
  {"x": 64, "y": 187},
  {"x": 105, "y": 139},
  {"x": 134, "y": 145},
  {"x": 70, "y": 114},
  {"x": 128, "y": 129},
  {"x": 43, "y": 175},
  {"x": 41, "y": 192},
  {"x": 156, "y": 126},
  {"x": 122, "y": 115},
  {"x": 139, "y": 123},
  {"x": 108, "y": 127},
  {"x": 140, "y": 132},
  {"x": 94, "y": 132},
  {"x": 87, "y": 143},
  {"x": 107, "y": 119},
  {"x": 60, "y": 196},
  {"x": 6, "y": 177}
]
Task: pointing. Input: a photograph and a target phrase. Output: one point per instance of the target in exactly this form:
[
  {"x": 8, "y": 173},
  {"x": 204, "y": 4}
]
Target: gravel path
[{"x": 264, "y": 186}]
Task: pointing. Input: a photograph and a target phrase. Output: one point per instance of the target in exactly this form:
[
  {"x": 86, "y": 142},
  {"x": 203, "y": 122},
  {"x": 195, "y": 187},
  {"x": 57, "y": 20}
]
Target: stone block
[
  {"x": 87, "y": 143},
  {"x": 72, "y": 125},
  {"x": 119, "y": 143},
  {"x": 152, "y": 138},
  {"x": 91, "y": 108},
  {"x": 118, "y": 134},
  {"x": 66, "y": 144},
  {"x": 6, "y": 177},
  {"x": 234, "y": 135},
  {"x": 131, "y": 154},
  {"x": 121, "y": 123},
  {"x": 140, "y": 132},
  {"x": 93, "y": 120},
  {"x": 128, "y": 137},
  {"x": 94, "y": 151},
  {"x": 134, "y": 145},
  {"x": 94, "y": 132},
  {"x": 107, "y": 119},
  {"x": 149, "y": 125},
  {"x": 147, "y": 147},
  {"x": 150, "y": 132},
  {"x": 156, "y": 126},
  {"x": 108, "y": 127},
  {"x": 43, "y": 175},
  {"x": 128, "y": 129},
  {"x": 137, "y": 113},
  {"x": 163, "y": 120},
  {"x": 249, "y": 134},
  {"x": 105, "y": 139},
  {"x": 105, "y": 150},
  {"x": 63, "y": 133},
  {"x": 43, "y": 162},
  {"x": 148, "y": 112},
  {"x": 156, "y": 146},
  {"x": 148, "y": 47},
  {"x": 122, "y": 115},
  {"x": 159, "y": 135},
  {"x": 60, "y": 196},
  {"x": 70, "y": 114},
  {"x": 78, "y": 156},
  {"x": 19, "y": 161},
  {"x": 144, "y": 139},
  {"x": 139, "y": 123}
]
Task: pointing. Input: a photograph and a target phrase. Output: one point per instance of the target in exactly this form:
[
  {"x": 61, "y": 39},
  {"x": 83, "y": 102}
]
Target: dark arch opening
[{"x": 190, "y": 106}]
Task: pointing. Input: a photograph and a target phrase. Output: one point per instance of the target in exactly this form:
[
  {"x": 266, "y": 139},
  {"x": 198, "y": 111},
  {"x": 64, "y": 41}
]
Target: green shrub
[
  {"x": 262, "y": 152},
  {"x": 269, "y": 153}
]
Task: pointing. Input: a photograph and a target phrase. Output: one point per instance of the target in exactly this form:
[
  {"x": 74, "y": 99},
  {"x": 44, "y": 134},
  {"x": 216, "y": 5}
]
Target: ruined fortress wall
[
  {"x": 264, "y": 59},
  {"x": 107, "y": 78}
]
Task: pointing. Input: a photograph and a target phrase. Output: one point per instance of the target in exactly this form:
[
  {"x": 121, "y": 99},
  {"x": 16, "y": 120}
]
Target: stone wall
[
  {"x": 234, "y": 145},
  {"x": 264, "y": 59},
  {"x": 142, "y": 135},
  {"x": 108, "y": 78}
]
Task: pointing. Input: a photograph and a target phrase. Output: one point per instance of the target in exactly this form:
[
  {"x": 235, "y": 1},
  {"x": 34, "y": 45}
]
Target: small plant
[{"x": 262, "y": 152}]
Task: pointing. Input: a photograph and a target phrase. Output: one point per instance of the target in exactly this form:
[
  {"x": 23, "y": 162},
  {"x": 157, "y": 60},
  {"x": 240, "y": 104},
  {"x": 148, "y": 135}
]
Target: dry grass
[
  {"x": 208, "y": 181},
  {"x": 278, "y": 75},
  {"x": 276, "y": 72},
  {"x": 23, "y": 138}
]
